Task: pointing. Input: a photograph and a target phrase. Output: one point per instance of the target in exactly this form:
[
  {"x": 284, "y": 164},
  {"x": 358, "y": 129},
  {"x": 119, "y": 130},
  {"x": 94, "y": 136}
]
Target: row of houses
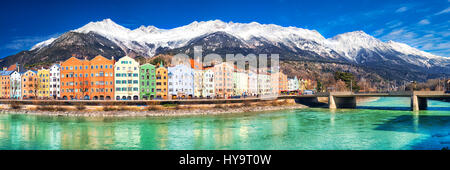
[{"x": 125, "y": 79}]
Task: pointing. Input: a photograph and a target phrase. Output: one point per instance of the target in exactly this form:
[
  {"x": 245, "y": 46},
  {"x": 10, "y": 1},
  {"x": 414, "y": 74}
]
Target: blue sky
[{"x": 422, "y": 24}]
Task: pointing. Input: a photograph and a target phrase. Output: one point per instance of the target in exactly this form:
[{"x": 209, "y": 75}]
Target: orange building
[
  {"x": 102, "y": 78},
  {"x": 5, "y": 84},
  {"x": 29, "y": 84},
  {"x": 161, "y": 82},
  {"x": 282, "y": 82},
  {"x": 87, "y": 80}
]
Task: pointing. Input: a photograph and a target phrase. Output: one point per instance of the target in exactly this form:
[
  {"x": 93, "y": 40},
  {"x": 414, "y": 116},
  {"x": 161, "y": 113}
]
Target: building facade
[
  {"x": 54, "y": 90},
  {"x": 264, "y": 84},
  {"x": 43, "y": 83},
  {"x": 161, "y": 82},
  {"x": 252, "y": 83},
  {"x": 75, "y": 79},
  {"x": 181, "y": 81},
  {"x": 240, "y": 83},
  {"x": 87, "y": 80},
  {"x": 293, "y": 84},
  {"x": 223, "y": 74},
  {"x": 282, "y": 83},
  {"x": 29, "y": 85},
  {"x": 5, "y": 84},
  {"x": 208, "y": 83},
  {"x": 101, "y": 78},
  {"x": 16, "y": 85},
  {"x": 198, "y": 82},
  {"x": 147, "y": 81},
  {"x": 127, "y": 79}
]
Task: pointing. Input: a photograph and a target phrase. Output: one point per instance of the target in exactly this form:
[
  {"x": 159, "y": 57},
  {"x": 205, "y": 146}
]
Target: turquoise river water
[{"x": 385, "y": 123}]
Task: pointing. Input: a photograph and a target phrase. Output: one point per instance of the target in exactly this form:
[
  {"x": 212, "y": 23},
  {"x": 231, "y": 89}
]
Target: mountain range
[{"x": 391, "y": 59}]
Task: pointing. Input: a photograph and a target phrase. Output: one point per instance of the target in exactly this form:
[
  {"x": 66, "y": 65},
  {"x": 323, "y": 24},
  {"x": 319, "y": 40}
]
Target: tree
[
  {"x": 341, "y": 86},
  {"x": 319, "y": 86},
  {"x": 348, "y": 78}
]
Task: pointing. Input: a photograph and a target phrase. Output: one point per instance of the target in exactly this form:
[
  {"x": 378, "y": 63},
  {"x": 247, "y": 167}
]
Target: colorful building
[
  {"x": 55, "y": 91},
  {"x": 87, "y": 80},
  {"x": 16, "y": 85},
  {"x": 252, "y": 83},
  {"x": 127, "y": 79},
  {"x": 264, "y": 84},
  {"x": 75, "y": 79},
  {"x": 5, "y": 84},
  {"x": 240, "y": 83},
  {"x": 147, "y": 81},
  {"x": 102, "y": 78},
  {"x": 223, "y": 74},
  {"x": 181, "y": 81},
  {"x": 161, "y": 82},
  {"x": 282, "y": 83},
  {"x": 208, "y": 83},
  {"x": 198, "y": 82},
  {"x": 198, "y": 77},
  {"x": 293, "y": 84},
  {"x": 43, "y": 83},
  {"x": 29, "y": 84}
]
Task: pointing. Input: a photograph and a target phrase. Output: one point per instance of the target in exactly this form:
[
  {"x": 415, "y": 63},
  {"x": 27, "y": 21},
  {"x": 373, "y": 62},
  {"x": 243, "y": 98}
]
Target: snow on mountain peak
[
  {"x": 106, "y": 27},
  {"x": 146, "y": 39},
  {"x": 406, "y": 49},
  {"x": 350, "y": 43},
  {"x": 43, "y": 44}
]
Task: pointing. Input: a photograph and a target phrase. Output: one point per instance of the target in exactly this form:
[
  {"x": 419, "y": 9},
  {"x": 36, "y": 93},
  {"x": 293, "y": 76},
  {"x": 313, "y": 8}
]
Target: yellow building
[
  {"x": 43, "y": 83},
  {"x": 161, "y": 82}
]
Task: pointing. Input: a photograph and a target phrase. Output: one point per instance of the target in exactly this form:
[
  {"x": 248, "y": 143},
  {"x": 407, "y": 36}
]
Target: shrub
[
  {"x": 46, "y": 108},
  {"x": 80, "y": 107},
  {"x": 247, "y": 103},
  {"x": 61, "y": 108},
  {"x": 108, "y": 108},
  {"x": 15, "y": 105}
]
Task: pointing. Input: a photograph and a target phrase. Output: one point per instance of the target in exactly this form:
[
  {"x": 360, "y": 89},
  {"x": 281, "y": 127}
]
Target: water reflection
[{"x": 299, "y": 129}]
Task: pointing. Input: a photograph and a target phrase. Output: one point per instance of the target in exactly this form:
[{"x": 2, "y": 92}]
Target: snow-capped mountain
[
  {"x": 355, "y": 46},
  {"x": 292, "y": 43}
]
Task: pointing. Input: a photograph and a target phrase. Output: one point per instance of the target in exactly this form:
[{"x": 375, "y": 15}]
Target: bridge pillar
[
  {"x": 418, "y": 103},
  {"x": 331, "y": 102},
  {"x": 341, "y": 102}
]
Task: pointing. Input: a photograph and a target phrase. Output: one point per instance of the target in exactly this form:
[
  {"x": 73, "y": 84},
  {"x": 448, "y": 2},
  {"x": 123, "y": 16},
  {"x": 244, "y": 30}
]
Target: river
[{"x": 385, "y": 123}]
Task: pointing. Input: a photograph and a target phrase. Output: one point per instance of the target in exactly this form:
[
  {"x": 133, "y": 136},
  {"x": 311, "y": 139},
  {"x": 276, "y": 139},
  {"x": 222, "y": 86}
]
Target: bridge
[{"x": 348, "y": 99}]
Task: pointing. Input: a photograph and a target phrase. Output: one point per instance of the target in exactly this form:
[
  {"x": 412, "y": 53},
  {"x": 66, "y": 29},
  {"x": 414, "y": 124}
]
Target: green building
[{"x": 147, "y": 81}]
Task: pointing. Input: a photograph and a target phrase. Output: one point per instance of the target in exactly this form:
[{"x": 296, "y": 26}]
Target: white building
[
  {"x": 55, "y": 81},
  {"x": 16, "y": 85},
  {"x": 293, "y": 84},
  {"x": 181, "y": 81},
  {"x": 208, "y": 83},
  {"x": 252, "y": 83},
  {"x": 264, "y": 84},
  {"x": 240, "y": 83},
  {"x": 127, "y": 79},
  {"x": 198, "y": 82}
]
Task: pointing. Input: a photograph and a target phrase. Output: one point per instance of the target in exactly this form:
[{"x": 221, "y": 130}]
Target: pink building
[{"x": 223, "y": 83}]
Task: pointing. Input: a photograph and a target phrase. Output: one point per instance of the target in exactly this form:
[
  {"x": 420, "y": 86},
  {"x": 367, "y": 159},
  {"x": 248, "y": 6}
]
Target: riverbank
[{"x": 153, "y": 110}]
